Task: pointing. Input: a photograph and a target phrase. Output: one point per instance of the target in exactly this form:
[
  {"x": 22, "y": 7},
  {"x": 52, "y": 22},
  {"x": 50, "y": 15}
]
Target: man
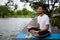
[{"x": 41, "y": 29}]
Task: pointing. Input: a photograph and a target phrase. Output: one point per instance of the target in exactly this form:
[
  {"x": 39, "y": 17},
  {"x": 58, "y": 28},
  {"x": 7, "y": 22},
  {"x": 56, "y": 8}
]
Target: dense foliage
[{"x": 5, "y": 12}]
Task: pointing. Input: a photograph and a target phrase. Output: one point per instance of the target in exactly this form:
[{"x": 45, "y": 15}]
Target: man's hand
[
  {"x": 35, "y": 26},
  {"x": 29, "y": 27},
  {"x": 32, "y": 31},
  {"x": 35, "y": 33}
]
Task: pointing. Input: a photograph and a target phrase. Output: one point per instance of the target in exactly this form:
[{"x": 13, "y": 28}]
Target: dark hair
[{"x": 42, "y": 7}]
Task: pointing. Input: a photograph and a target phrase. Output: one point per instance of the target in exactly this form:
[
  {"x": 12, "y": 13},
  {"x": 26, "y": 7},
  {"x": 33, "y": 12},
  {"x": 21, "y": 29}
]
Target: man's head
[{"x": 40, "y": 10}]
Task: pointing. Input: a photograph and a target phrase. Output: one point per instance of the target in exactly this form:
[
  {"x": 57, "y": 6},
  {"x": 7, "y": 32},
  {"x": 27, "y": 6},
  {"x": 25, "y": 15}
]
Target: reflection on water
[{"x": 10, "y": 27}]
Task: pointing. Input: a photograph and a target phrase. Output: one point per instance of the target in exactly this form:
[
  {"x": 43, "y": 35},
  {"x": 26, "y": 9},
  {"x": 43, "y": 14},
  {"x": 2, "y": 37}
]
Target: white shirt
[{"x": 43, "y": 20}]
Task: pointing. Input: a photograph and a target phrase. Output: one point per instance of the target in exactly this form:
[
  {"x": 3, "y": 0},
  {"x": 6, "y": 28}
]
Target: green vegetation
[
  {"x": 24, "y": 13},
  {"x": 57, "y": 10},
  {"x": 55, "y": 22},
  {"x": 3, "y": 11}
]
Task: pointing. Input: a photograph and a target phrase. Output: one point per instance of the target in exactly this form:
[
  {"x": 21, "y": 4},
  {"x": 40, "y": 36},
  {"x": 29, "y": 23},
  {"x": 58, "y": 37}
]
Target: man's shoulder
[{"x": 46, "y": 16}]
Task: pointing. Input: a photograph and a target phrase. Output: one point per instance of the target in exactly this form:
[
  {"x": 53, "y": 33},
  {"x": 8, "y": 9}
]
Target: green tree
[
  {"x": 57, "y": 10},
  {"x": 15, "y": 7},
  {"x": 34, "y": 5},
  {"x": 18, "y": 12},
  {"x": 3, "y": 11},
  {"x": 24, "y": 11}
]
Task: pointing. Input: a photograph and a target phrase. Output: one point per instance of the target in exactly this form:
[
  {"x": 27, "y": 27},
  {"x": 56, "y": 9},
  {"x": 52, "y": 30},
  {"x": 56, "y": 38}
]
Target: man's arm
[
  {"x": 35, "y": 26},
  {"x": 46, "y": 28}
]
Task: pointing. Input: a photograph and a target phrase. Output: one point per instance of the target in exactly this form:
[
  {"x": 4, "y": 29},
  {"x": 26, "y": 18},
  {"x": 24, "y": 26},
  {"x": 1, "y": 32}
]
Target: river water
[{"x": 10, "y": 26}]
